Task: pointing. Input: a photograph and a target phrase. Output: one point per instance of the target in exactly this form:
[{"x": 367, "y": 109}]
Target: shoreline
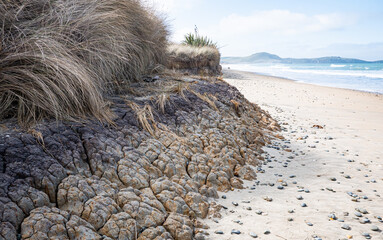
[
  {"x": 301, "y": 81},
  {"x": 331, "y": 148}
]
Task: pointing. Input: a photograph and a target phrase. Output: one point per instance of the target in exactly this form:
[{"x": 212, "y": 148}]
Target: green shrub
[{"x": 196, "y": 40}]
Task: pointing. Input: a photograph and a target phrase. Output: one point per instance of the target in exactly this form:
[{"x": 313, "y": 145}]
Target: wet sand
[{"x": 337, "y": 170}]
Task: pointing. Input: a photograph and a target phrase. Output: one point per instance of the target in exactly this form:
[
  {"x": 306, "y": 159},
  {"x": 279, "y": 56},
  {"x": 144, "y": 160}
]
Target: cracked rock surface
[{"x": 131, "y": 181}]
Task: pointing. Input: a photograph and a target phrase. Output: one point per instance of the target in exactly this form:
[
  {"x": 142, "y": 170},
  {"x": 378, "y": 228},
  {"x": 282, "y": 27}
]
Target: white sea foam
[{"x": 337, "y": 65}]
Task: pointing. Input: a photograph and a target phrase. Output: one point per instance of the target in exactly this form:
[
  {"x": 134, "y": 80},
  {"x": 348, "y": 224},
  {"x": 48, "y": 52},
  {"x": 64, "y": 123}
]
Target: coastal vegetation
[{"x": 61, "y": 58}]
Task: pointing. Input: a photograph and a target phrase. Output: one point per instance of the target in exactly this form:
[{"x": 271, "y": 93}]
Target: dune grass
[{"x": 60, "y": 58}]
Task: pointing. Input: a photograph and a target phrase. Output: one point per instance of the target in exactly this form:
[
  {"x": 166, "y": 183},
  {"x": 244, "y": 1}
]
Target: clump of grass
[
  {"x": 60, "y": 58},
  {"x": 196, "y": 40},
  {"x": 145, "y": 117}
]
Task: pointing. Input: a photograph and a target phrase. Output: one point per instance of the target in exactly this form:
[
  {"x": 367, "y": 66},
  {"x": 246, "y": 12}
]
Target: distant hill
[{"x": 264, "y": 57}]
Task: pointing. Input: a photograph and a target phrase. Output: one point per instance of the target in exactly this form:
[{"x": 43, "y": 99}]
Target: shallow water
[{"x": 358, "y": 76}]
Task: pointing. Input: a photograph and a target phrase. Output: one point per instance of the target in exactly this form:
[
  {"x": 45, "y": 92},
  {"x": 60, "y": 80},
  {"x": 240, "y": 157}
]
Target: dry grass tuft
[
  {"x": 208, "y": 98},
  {"x": 184, "y": 57},
  {"x": 162, "y": 100},
  {"x": 59, "y": 58},
  {"x": 145, "y": 117},
  {"x": 236, "y": 106}
]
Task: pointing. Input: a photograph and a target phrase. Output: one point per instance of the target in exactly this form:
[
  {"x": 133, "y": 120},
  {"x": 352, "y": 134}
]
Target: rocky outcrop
[{"x": 148, "y": 176}]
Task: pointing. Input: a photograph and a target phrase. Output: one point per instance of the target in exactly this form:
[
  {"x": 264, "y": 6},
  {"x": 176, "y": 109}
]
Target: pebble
[
  {"x": 253, "y": 235},
  {"x": 303, "y": 205},
  {"x": 347, "y": 176},
  {"x": 290, "y": 211},
  {"x": 346, "y": 227},
  {"x": 294, "y": 182},
  {"x": 309, "y": 224},
  {"x": 361, "y": 210},
  {"x": 266, "y": 232},
  {"x": 364, "y": 221},
  {"x": 235, "y": 203},
  {"x": 280, "y": 187},
  {"x": 234, "y": 231},
  {"x": 284, "y": 184},
  {"x": 292, "y": 176},
  {"x": 374, "y": 228},
  {"x": 299, "y": 197},
  {"x": 307, "y": 191},
  {"x": 218, "y": 232},
  {"x": 269, "y": 199},
  {"x": 224, "y": 196},
  {"x": 259, "y": 212},
  {"x": 332, "y": 216},
  {"x": 290, "y": 219},
  {"x": 248, "y": 208},
  {"x": 333, "y": 179},
  {"x": 366, "y": 235}
]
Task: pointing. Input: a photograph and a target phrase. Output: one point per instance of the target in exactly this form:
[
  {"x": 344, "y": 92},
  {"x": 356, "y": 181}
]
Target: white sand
[{"x": 355, "y": 122}]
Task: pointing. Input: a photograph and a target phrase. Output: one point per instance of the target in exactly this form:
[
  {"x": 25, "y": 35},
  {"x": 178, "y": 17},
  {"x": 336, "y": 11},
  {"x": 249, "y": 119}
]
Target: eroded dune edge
[{"x": 148, "y": 177}]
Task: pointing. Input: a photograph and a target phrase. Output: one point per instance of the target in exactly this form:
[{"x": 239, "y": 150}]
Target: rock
[
  {"x": 358, "y": 214},
  {"x": 179, "y": 226},
  {"x": 235, "y": 203},
  {"x": 267, "y": 232},
  {"x": 234, "y": 231},
  {"x": 346, "y": 227},
  {"x": 364, "y": 221},
  {"x": 299, "y": 197},
  {"x": 309, "y": 224},
  {"x": 280, "y": 187},
  {"x": 303, "y": 205},
  {"x": 218, "y": 232},
  {"x": 375, "y": 228},
  {"x": 333, "y": 179},
  {"x": 253, "y": 235},
  {"x": 361, "y": 210}
]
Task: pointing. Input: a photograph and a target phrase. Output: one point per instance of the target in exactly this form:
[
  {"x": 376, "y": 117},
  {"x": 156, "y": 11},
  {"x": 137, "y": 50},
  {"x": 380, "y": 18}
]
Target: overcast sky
[{"x": 288, "y": 28}]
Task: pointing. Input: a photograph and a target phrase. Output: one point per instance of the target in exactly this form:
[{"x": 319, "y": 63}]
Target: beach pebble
[
  {"x": 361, "y": 210},
  {"x": 303, "y": 205},
  {"x": 284, "y": 184},
  {"x": 266, "y": 232},
  {"x": 253, "y": 235},
  {"x": 364, "y": 221},
  {"x": 224, "y": 196},
  {"x": 309, "y": 224},
  {"x": 292, "y": 176},
  {"x": 248, "y": 208},
  {"x": 235, "y": 203},
  {"x": 346, "y": 227},
  {"x": 280, "y": 187},
  {"x": 290, "y": 211},
  {"x": 218, "y": 232},
  {"x": 366, "y": 235},
  {"x": 374, "y": 228},
  {"x": 299, "y": 197},
  {"x": 234, "y": 231},
  {"x": 269, "y": 199},
  {"x": 294, "y": 182},
  {"x": 347, "y": 176},
  {"x": 332, "y": 216},
  {"x": 333, "y": 179},
  {"x": 259, "y": 212},
  {"x": 290, "y": 219}
]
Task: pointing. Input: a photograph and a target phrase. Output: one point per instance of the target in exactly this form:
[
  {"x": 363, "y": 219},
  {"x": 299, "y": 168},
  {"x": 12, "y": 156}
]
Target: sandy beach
[{"x": 324, "y": 183}]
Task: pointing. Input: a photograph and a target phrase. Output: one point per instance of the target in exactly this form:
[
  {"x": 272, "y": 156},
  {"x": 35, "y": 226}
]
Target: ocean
[{"x": 357, "y": 76}]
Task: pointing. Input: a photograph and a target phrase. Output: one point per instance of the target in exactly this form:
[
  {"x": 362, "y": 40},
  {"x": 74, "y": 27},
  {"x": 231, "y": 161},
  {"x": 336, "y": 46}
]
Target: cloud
[
  {"x": 282, "y": 22},
  {"x": 169, "y": 6}
]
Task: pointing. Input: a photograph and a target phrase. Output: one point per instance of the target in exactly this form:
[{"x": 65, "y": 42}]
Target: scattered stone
[
  {"x": 235, "y": 204},
  {"x": 234, "y": 231},
  {"x": 299, "y": 197},
  {"x": 218, "y": 232},
  {"x": 358, "y": 214},
  {"x": 364, "y": 221},
  {"x": 366, "y": 235},
  {"x": 224, "y": 196},
  {"x": 309, "y": 224},
  {"x": 249, "y": 208},
  {"x": 303, "y": 205},
  {"x": 290, "y": 219},
  {"x": 292, "y": 176},
  {"x": 280, "y": 187},
  {"x": 269, "y": 199},
  {"x": 375, "y": 228},
  {"x": 266, "y": 232},
  {"x": 333, "y": 179},
  {"x": 361, "y": 210},
  {"x": 346, "y": 227},
  {"x": 290, "y": 211},
  {"x": 253, "y": 235},
  {"x": 259, "y": 212},
  {"x": 332, "y": 216}
]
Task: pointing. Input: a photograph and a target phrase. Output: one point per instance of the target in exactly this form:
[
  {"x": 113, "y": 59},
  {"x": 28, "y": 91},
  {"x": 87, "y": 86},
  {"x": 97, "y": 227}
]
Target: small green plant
[{"x": 194, "y": 39}]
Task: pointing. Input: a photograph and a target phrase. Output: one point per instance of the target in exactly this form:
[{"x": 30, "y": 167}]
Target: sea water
[{"x": 358, "y": 76}]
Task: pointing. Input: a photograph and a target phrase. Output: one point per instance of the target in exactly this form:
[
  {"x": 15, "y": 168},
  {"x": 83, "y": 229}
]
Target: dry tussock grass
[
  {"x": 59, "y": 58},
  {"x": 188, "y": 57},
  {"x": 144, "y": 116}
]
